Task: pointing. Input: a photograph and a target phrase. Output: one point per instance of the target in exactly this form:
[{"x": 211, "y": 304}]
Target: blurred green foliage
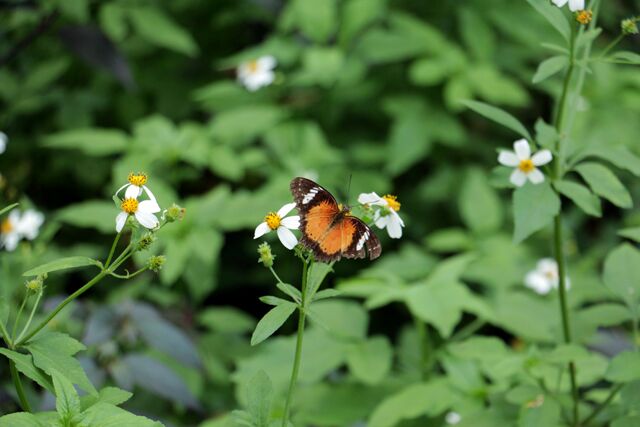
[{"x": 375, "y": 90}]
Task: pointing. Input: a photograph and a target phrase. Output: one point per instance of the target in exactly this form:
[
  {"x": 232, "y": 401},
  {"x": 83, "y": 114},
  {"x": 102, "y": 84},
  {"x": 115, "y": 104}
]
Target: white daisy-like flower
[
  {"x": 524, "y": 163},
  {"x": 257, "y": 73},
  {"x": 574, "y": 5},
  {"x": 144, "y": 212},
  {"x": 283, "y": 226},
  {"x": 9, "y": 231},
  {"x": 29, "y": 224},
  {"x": 452, "y": 418},
  {"x": 545, "y": 277},
  {"x": 135, "y": 186},
  {"x": 386, "y": 217},
  {"x": 3, "y": 142}
]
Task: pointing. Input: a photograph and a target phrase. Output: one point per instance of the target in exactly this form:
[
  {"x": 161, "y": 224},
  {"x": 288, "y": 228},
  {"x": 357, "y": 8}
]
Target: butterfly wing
[{"x": 362, "y": 237}]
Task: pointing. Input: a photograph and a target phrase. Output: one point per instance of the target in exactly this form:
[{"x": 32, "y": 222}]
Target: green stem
[
  {"x": 276, "y": 274},
  {"x": 5, "y": 335},
  {"x": 611, "y": 45},
  {"x": 425, "y": 348},
  {"x": 15, "y": 323},
  {"x": 636, "y": 333},
  {"x": 33, "y": 310},
  {"x": 468, "y": 330},
  {"x": 298, "y": 355},
  {"x": 130, "y": 275},
  {"x": 602, "y": 405},
  {"x": 113, "y": 248},
  {"x": 24, "y": 403}
]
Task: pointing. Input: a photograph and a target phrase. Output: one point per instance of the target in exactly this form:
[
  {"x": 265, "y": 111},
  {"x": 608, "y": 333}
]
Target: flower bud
[
  {"x": 35, "y": 285},
  {"x": 155, "y": 263},
  {"x": 629, "y": 26},
  {"x": 584, "y": 16},
  {"x": 174, "y": 213},
  {"x": 266, "y": 257},
  {"x": 145, "y": 241}
]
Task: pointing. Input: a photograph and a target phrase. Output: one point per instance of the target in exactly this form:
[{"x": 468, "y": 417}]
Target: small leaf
[
  {"x": 546, "y": 135},
  {"x": 631, "y": 233},
  {"x": 555, "y": 17},
  {"x": 226, "y": 320},
  {"x": 93, "y": 142},
  {"x": 499, "y": 116},
  {"x": 158, "y": 28},
  {"x": 24, "y": 364},
  {"x": 326, "y": 293},
  {"x": 370, "y": 360},
  {"x": 290, "y": 290},
  {"x": 626, "y": 56},
  {"x": 67, "y": 400},
  {"x": 272, "y": 321},
  {"x": 20, "y": 419},
  {"x": 534, "y": 207},
  {"x": 479, "y": 204},
  {"x": 624, "y": 368},
  {"x": 8, "y": 208},
  {"x": 581, "y": 196},
  {"x": 549, "y": 67},
  {"x": 622, "y": 273},
  {"x": 259, "y": 397},
  {"x": 62, "y": 264},
  {"x": 605, "y": 184},
  {"x": 315, "y": 276},
  {"x": 620, "y": 156}
]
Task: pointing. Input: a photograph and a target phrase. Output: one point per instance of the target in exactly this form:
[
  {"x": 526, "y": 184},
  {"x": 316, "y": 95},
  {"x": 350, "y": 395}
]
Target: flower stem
[
  {"x": 130, "y": 275},
  {"x": 602, "y": 405},
  {"x": 15, "y": 375},
  {"x": 298, "y": 354},
  {"x": 611, "y": 45},
  {"x": 17, "y": 319},
  {"x": 33, "y": 310},
  {"x": 425, "y": 348},
  {"x": 113, "y": 248},
  {"x": 5, "y": 335}
]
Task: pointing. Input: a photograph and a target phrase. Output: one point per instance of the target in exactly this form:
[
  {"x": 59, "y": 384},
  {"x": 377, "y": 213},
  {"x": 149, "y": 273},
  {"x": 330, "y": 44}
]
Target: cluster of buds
[
  {"x": 36, "y": 285},
  {"x": 629, "y": 26},
  {"x": 266, "y": 256},
  {"x": 156, "y": 262},
  {"x": 174, "y": 213},
  {"x": 584, "y": 16}
]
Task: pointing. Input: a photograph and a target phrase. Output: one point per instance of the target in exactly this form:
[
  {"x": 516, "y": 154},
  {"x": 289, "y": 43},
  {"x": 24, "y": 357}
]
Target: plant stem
[
  {"x": 33, "y": 310},
  {"x": 113, "y": 248},
  {"x": 611, "y": 45},
  {"x": 602, "y": 405},
  {"x": 15, "y": 375},
  {"x": 130, "y": 275},
  {"x": 425, "y": 347},
  {"x": 296, "y": 360},
  {"x": 15, "y": 322},
  {"x": 276, "y": 274},
  {"x": 5, "y": 335}
]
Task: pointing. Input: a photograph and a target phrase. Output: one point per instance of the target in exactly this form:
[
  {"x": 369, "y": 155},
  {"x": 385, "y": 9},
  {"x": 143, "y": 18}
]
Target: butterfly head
[{"x": 344, "y": 210}]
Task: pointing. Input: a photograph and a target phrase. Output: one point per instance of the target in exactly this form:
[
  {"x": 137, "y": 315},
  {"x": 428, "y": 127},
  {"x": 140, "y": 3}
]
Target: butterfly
[{"x": 328, "y": 228}]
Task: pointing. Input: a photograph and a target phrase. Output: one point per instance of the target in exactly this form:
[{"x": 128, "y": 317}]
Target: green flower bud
[
  {"x": 155, "y": 263},
  {"x": 266, "y": 257},
  {"x": 145, "y": 241},
  {"x": 629, "y": 26},
  {"x": 35, "y": 285},
  {"x": 174, "y": 213}
]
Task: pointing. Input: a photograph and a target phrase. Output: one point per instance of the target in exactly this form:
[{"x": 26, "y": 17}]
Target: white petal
[
  {"x": 535, "y": 176},
  {"x": 369, "y": 199},
  {"x": 523, "y": 151},
  {"x": 382, "y": 221},
  {"x": 537, "y": 282},
  {"x": 508, "y": 158},
  {"x": 283, "y": 211},
  {"x": 518, "y": 178},
  {"x": 121, "y": 219},
  {"x": 576, "y": 5},
  {"x": 547, "y": 265},
  {"x": 151, "y": 197},
  {"x": 120, "y": 189},
  {"x": 287, "y": 238},
  {"x": 251, "y": 83},
  {"x": 14, "y": 217},
  {"x": 30, "y": 223},
  {"x": 133, "y": 192},
  {"x": 146, "y": 219},
  {"x": 291, "y": 222},
  {"x": 3, "y": 142},
  {"x": 261, "y": 230},
  {"x": 542, "y": 157},
  {"x": 394, "y": 228},
  {"x": 267, "y": 62},
  {"x": 559, "y": 3},
  {"x": 10, "y": 241},
  {"x": 397, "y": 216},
  {"x": 148, "y": 206}
]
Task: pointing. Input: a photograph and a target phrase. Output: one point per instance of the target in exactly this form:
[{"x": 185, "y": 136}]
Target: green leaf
[
  {"x": 534, "y": 207},
  {"x": 622, "y": 273},
  {"x": 619, "y": 155},
  {"x": 107, "y": 415},
  {"x": 62, "y": 264},
  {"x": 157, "y": 28},
  {"x": 259, "y": 398},
  {"x": 8, "y": 208},
  {"x": 624, "y": 368},
  {"x": 478, "y": 36},
  {"x": 356, "y": 15},
  {"x": 92, "y": 142},
  {"x": 240, "y": 125},
  {"x": 555, "y": 17},
  {"x": 549, "y": 67},
  {"x": 605, "y": 184},
  {"x": 24, "y": 364},
  {"x": 499, "y": 116},
  {"x": 449, "y": 240},
  {"x": 409, "y": 141},
  {"x": 631, "y": 233},
  {"x": 53, "y": 351},
  {"x": 581, "y": 196},
  {"x": 291, "y": 291},
  {"x": 343, "y": 319},
  {"x": 627, "y": 421},
  {"x": 325, "y": 294},
  {"x": 315, "y": 276},
  {"x": 479, "y": 204},
  {"x": 546, "y": 135},
  {"x": 317, "y": 20},
  {"x": 272, "y": 321},
  {"x": 226, "y": 320},
  {"x": 111, "y": 395},
  {"x": 370, "y": 360},
  {"x": 20, "y": 419},
  {"x": 626, "y": 56},
  {"x": 96, "y": 214},
  {"x": 67, "y": 400},
  {"x": 546, "y": 414},
  {"x": 224, "y": 162}
]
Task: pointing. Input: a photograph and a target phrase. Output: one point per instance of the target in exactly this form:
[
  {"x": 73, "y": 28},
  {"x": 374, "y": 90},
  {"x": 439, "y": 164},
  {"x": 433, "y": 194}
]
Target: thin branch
[{"x": 22, "y": 44}]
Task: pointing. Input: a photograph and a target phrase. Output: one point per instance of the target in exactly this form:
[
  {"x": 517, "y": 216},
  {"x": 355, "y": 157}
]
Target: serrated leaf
[
  {"x": 67, "y": 399},
  {"x": 20, "y": 419},
  {"x": 62, "y": 264},
  {"x": 499, "y": 116},
  {"x": 605, "y": 184},
  {"x": 24, "y": 364},
  {"x": 107, "y": 415},
  {"x": 272, "y": 321},
  {"x": 259, "y": 398},
  {"x": 534, "y": 207},
  {"x": 549, "y": 67},
  {"x": 581, "y": 196}
]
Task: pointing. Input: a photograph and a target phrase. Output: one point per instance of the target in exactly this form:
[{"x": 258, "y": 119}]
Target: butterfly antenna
[{"x": 349, "y": 187}]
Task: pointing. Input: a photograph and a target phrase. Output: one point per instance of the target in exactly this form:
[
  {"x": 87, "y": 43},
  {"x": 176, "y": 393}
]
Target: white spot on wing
[
  {"x": 310, "y": 195},
  {"x": 362, "y": 240}
]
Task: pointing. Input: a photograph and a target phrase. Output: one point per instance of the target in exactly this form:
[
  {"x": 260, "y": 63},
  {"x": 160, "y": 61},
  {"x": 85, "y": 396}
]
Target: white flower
[
  {"x": 143, "y": 211},
  {"x": 30, "y": 223},
  {"x": 387, "y": 217},
  {"x": 3, "y": 142},
  {"x": 453, "y": 418},
  {"x": 545, "y": 277},
  {"x": 524, "y": 163},
  {"x": 135, "y": 186},
  {"x": 16, "y": 227},
  {"x": 283, "y": 226},
  {"x": 574, "y": 5},
  {"x": 257, "y": 73}
]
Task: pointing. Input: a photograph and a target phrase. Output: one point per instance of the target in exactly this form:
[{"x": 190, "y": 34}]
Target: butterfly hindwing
[{"x": 327, "y": 230}]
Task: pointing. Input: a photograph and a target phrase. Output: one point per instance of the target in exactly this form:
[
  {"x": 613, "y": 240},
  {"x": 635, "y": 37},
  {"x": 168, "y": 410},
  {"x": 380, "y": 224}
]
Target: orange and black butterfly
[{"x": 329, "y": 229}]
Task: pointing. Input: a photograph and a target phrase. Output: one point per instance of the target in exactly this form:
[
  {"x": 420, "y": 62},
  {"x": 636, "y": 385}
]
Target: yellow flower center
[
  {"x": 6, "y": 226},
  {"x": 273, "y": 220},
  {"x": 129, "y": 206},
  {"x": 252, "y": 66},
  {"x": 584, "y": 16},
  {"x": 526, "y": 165},
  {"x": 392, "y": 201},
  {"x": 139, "y": 179}
]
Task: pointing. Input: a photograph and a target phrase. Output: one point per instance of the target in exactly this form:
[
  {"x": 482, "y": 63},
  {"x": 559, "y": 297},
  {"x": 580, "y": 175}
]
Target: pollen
[
  {"x": 138, "y": 179},
  {"x": 6, "y": 226},
  {"x": 584, "y": 16},
  {"x": 392, "y": 201},
  {"x": 252, "y": 66},
  {"x": 273, "y": 220},
  {"x": 129, "y": 205},
  {"x": 526, "y": 165}
]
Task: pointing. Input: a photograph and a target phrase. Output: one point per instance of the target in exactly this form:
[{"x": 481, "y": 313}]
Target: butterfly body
[{"x": 328, "y": 228}]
